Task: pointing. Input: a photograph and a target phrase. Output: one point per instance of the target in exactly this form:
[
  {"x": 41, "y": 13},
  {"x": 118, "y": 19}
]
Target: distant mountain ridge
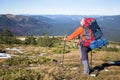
[
  {"x": 22, "y": 25},
  {"x": 57, "y": 24}
]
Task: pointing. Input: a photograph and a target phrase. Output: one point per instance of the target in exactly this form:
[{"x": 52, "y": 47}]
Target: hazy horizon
[
  {"x": 60, "y": 7},
  {"x": 60, "y": 14}
]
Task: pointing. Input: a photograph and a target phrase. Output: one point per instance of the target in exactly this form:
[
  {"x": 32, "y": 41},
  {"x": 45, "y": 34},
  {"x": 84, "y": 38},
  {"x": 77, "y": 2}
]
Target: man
[{"x": 83, "y": 50}]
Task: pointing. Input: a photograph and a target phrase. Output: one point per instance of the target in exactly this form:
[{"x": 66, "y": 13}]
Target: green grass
[
  {"x": 19, "y": 74},
  {"x": 31, "y": 66}
]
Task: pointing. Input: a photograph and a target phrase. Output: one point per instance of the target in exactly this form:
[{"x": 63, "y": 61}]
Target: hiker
[{"x": 83, "y": 50}]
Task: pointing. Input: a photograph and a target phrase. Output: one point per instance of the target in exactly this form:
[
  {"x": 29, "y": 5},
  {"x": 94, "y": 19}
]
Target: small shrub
[
  {"x": 47, "y": 41},
  {"x": 16, "y": 61},
  {"x": 57, "y": 50},
  {"x": 110, "y": 49},
  {"x": 39, "y": 60},
  {"x": 19, "y": 74},
  {"x": 30, "y": 40}
]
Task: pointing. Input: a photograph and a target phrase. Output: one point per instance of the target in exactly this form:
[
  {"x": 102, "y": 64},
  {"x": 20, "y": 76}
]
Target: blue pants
[{"x": 84, "y": 58}]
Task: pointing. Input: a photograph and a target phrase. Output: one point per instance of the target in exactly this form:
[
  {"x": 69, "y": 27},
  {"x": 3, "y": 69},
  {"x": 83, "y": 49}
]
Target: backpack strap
[
  {"x": 86, "y": 33},
  {"x": 88, "y": 36}
]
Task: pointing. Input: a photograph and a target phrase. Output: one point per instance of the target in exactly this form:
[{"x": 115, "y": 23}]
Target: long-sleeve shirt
[{"x": 79, "y": 31}]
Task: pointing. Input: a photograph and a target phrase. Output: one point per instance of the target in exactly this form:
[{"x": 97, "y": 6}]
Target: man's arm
[{"x": 77, "y": 32}]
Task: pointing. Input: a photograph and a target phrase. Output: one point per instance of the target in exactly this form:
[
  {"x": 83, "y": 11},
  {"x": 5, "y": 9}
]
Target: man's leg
[
  {"x": 84, "y": 58},
  {"x": 86, "y": 66}
]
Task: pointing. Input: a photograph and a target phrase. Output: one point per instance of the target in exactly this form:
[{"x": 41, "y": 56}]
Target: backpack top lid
[
  {"x": 91, "y": 24},
  {"x": 88, "y": 21}
]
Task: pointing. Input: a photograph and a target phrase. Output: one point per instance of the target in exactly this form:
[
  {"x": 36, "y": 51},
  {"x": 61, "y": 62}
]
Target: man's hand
[{"x": 64, "y": 39}]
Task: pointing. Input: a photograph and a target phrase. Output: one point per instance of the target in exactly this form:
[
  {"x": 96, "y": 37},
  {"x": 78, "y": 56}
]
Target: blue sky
[{"x": 66, "y": 7}]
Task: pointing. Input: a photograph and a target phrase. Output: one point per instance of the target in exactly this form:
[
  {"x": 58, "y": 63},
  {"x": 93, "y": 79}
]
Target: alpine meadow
[
  {"x": 32, "y": 48},
  {"x": 59, "y": 39}
]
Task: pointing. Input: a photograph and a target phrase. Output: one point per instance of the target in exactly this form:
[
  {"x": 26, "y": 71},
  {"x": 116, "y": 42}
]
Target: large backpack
[{"x": 93, "y": 34}]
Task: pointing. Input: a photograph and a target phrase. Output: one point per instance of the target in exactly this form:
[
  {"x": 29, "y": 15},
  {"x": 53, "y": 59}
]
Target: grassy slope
[
  {"x": 53, "y": 70},
  {"x": 73, "y": 67}
]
